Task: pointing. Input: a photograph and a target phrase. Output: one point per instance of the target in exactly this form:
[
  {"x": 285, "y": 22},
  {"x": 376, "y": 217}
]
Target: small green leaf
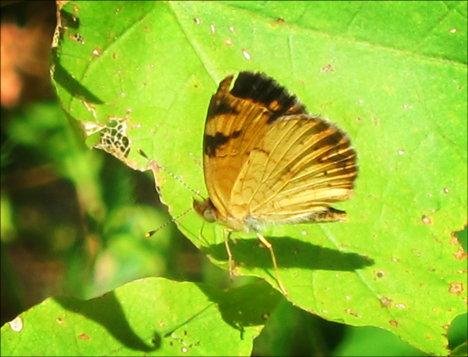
[{"x": 153, "y": 316}]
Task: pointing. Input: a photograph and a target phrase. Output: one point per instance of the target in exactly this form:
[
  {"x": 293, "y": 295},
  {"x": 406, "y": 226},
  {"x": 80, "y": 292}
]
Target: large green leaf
[{"x": 392, "y": 74}]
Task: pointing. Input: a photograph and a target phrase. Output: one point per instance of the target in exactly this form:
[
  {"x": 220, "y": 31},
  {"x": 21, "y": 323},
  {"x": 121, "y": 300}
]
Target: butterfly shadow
[{"x": 290, "y": 253}]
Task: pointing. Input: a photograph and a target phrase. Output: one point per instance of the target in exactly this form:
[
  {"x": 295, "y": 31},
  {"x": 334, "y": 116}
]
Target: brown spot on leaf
[
  {"x": 379, "y": 274},
  {"x": 386, "y": 302},
  {"x": 77, "y": 38},
  {"x": 97, "y": 51},
  {"x": 460, "y": 254},
  {"x": 453, "y": 240},
  {"x": 327, "y": 68},
  {"x": 456, "y": 288},
  {"x": 351, "y": 312},
  {"x": 17, "y": 324},
  {"x": 246, "y": 54},
  {"x": 426, "y": 220},
  {"x": 83, "y": 336}
]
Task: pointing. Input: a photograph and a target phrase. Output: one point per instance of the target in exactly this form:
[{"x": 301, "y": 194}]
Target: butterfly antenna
[
  {"x": 174, "y": 219},
  {"x": 156, "y": 166}
]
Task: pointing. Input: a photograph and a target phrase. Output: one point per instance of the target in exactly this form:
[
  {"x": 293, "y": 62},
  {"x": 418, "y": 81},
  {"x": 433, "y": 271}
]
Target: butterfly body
[{"x": 268, "y": 161}]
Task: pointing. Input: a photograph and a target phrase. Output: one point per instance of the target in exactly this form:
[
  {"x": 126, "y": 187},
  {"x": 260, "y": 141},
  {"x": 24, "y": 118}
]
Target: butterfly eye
[
  {"x": 209, "y": 215},
  {"x": 205, "y": 209}
]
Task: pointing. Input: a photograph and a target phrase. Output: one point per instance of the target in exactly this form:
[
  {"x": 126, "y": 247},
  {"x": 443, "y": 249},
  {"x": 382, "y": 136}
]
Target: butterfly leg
[
  {"x": 267, "y": 244},
  {"x": 226, "y": 232}
]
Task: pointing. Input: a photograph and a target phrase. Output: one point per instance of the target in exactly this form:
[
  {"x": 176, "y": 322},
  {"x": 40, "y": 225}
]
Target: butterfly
[{"x": 268, "y": 161}]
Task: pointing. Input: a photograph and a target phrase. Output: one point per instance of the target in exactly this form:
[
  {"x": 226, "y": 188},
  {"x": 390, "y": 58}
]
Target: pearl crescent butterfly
[{"x": 268, "y": 161}]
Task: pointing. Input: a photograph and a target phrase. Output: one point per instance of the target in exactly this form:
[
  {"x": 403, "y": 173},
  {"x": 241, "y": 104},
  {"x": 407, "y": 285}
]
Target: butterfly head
[
  {"x": 209, "y": 213},
  {"x": 205, "y": 209}
]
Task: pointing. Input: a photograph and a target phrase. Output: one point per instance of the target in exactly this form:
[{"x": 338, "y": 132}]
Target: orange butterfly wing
[
  {"x": 267, "y": 160},
  {"x": 235, "y": 123},
  {"x": 301, "y": 166}
]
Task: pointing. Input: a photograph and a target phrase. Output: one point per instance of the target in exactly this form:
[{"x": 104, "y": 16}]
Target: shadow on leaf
[
  {"x": 107, "y": 311},
  {"x": 290, "y": 253}
]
